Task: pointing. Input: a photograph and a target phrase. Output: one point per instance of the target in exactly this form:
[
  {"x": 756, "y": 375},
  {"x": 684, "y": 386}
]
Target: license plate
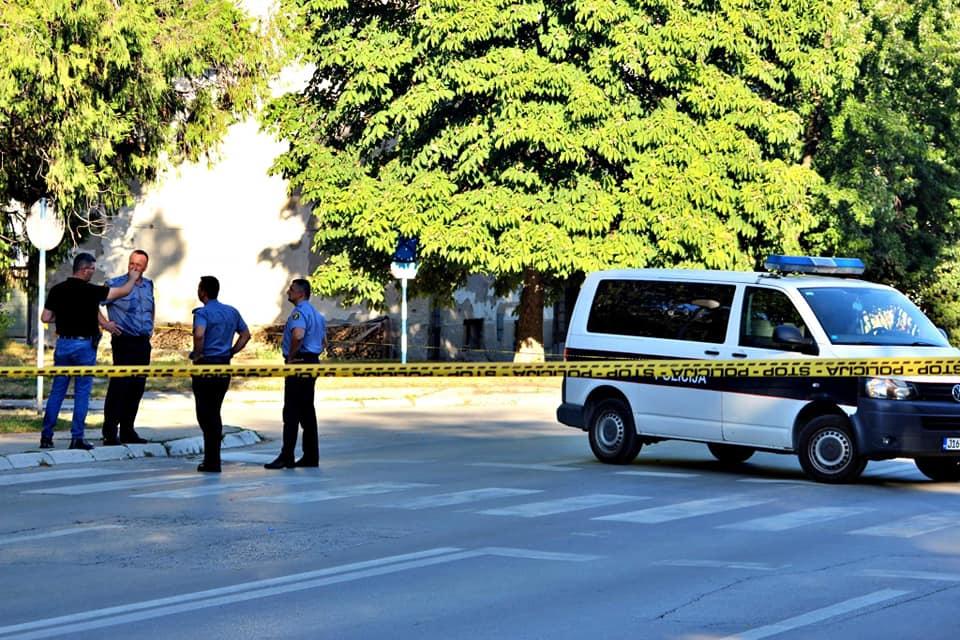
[{"x": 951, "y": 444}]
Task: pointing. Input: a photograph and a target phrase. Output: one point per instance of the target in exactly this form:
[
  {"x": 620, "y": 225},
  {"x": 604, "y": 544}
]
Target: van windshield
[{"x": 882, "y": 317}]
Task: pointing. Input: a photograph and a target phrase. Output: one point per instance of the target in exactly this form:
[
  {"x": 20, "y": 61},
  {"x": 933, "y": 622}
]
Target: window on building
[{"x": 473, "y": 333}]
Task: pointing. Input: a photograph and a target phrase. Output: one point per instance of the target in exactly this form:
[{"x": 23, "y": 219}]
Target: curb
[{"x": 169, "y": 449}]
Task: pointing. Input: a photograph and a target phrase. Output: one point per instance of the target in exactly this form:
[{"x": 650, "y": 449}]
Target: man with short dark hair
[
  {"x": 130, "y": 325},
  {"x": 214, "y": 325},
  {"x": 74, "y": 305},
  {"x": 303, "y": 340}
]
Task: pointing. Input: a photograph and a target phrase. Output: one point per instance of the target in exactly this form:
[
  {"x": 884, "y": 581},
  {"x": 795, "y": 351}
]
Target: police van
[{"x": 802, "y": 307}]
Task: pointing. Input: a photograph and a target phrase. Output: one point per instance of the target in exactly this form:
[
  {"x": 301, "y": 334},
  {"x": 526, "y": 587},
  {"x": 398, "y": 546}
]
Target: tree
[
  {"x": 96, "y": 94},
  {"x": 890, "y": 154},
  {"x": 533, "y": 139}
]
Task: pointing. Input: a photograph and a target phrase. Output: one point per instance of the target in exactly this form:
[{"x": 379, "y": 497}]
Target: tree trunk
[{"x": 530, "y": 324}]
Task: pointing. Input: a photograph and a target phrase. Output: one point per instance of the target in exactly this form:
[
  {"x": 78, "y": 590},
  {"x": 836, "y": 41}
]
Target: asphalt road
[{"x": 487, "y": 523}]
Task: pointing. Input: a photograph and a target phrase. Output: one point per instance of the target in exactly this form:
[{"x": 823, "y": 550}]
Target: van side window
[
  {"x": 764, "y": 310},
  {"x": 695, "y": 311}
]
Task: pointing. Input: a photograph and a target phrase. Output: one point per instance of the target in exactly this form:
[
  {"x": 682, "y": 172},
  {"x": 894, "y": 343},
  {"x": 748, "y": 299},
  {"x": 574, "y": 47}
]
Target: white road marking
[
  {"x": 56, "y": 534},
  {"x": 117, "y": 485},
  {"x": 793, "y": 519},
  {"x": 682, "y": 510},
  {"x": 461, "y": 497},
  {"x": 247, "y": 456},
  {"x": 384, "y": 461},
  {"x": 912, "y": 575},
  {"x": 321, "y": 495},
  {"x": 68, "y": 623},
  {"x": 818, "y": 615},
  {"x": 60, "y": 474},
  {"x": 226, "y": 487},
  {"x": 724, "y": 564},
  {"x": 532, "y": 554},
  {"x": 563, "y": 505},
  {"x": 658, "y": 474},
  {"x": 517, "y": 465},
  {"x": 139, "y": 611},
  {"x": 911, "y": 527}
]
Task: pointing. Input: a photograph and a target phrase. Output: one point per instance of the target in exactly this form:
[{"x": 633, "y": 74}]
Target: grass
[{"x": 28, "y": 421}]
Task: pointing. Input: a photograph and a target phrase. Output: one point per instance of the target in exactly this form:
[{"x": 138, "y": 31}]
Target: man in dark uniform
[
  {"x": 74, "y": 305},
  {"x": 303, "y": 340},
  {"x": 131, "y": 325},
  {"x": 214, "y": 325}
]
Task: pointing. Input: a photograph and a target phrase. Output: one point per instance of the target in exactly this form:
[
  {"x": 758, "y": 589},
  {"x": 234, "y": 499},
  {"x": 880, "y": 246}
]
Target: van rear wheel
[
  {"x": 730, "y": 453},
  {"x": 613, "y": 437},
  {"x": 939, "y": 469},
  {"x": 828, "y": 451}
]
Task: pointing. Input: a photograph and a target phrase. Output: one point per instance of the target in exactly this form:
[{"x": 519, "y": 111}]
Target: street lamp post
[{"x": 45, "y": 230}]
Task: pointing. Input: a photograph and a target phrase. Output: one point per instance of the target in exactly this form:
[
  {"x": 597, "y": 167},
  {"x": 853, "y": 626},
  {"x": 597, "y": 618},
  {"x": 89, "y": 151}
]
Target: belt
[{"x": 76, "y": 337}]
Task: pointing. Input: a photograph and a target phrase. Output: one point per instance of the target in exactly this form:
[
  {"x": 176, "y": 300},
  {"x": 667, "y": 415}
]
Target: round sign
[{"x": 44, "y": 226}]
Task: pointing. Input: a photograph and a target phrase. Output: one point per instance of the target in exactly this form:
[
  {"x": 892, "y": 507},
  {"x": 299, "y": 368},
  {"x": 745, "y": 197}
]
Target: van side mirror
[{"x": 788, "y": 337}]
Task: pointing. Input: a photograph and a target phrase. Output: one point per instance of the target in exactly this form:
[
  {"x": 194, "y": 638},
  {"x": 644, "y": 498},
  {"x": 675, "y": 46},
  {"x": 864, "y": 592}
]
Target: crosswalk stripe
[
  {"x": 666, "y": 513},
  {"x": 59, "y": 533},
  {"x": 912, "y": 575},
  {"x": 461, "y": 497},
  {"x": 60, "y": 474},
  {"x": 794, "y": 519},
  {"x": 226, "y": 487},
  {"x": 658, "y": 474},
  {"x": 117, "y": 485},
  {"x": 563, "y": 505},
  {"x": 518, "y": 465},
  {"x": 914, "y": 526},
  {"x": 321, "y": 495}
]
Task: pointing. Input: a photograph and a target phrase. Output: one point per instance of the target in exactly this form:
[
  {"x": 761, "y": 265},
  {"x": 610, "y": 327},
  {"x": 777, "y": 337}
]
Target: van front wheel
[
  {"x": 828, "y": 451},
  {"x": 613, "y": 438}
]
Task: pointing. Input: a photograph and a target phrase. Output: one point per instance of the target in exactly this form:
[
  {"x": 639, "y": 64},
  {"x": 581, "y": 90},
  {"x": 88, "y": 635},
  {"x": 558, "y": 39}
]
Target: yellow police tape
[{"x": 677, "y": 369}]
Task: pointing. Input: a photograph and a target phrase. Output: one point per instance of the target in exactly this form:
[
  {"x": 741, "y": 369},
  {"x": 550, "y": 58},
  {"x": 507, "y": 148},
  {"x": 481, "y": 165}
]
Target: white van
[{"x": 834, "y": 425}]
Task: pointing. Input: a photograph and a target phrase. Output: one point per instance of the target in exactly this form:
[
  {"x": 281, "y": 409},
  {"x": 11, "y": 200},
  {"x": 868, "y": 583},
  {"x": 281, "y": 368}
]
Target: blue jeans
[{"x": 70, "y": 352}]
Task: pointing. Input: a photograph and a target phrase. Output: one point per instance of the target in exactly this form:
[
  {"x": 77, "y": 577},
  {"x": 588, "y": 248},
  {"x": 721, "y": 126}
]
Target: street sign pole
[
  {"x": 403, "y": 271},
  {"x": 45, "y": 231}
]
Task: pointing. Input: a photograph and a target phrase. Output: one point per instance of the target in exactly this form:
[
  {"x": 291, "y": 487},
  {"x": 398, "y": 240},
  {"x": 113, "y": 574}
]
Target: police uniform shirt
[
  {"x": 304, "y": 316},
  {"x": 75, "y": 303},
  {"x": 133, "y": 313},
  {"x": 221, "y": 322}
]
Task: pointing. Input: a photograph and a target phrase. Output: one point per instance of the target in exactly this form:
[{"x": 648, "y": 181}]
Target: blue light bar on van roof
[{"x": 810, "y": 264}]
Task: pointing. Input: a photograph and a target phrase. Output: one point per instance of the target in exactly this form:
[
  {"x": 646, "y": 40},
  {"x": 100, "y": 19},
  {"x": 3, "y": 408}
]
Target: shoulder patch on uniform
[{"x": 296, "y": 315}]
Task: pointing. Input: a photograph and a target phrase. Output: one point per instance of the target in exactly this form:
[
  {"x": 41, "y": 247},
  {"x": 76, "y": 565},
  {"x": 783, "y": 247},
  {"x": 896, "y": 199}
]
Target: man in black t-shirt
[{"x": 74, "y": 305}]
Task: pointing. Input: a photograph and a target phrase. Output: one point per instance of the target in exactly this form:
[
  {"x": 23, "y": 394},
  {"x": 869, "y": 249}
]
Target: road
[{"x": 479, "y": 523}]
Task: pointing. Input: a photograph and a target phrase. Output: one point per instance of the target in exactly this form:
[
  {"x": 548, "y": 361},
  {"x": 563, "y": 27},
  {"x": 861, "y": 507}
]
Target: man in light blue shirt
[
  {"x": 214, "y": 327},
  {"x": 130, "y": 325},
  {"x": 303, "y": 340}
]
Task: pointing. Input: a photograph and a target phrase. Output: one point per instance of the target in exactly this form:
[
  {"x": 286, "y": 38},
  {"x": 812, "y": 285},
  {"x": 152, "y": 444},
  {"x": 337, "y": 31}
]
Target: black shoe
[
  {"x": 280, "y": 463},
  {"x": 304, "y": 462},
  {"x": 208, "y": 468},
  {"x": 46, "y": 443},
  {"x": 132, "y": 438},
  {"x": 80, "y": 443},
  {"x": 111, "y": 442}
]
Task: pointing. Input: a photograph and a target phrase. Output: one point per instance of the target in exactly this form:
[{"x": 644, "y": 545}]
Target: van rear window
[{"x": 694, "y": 311}]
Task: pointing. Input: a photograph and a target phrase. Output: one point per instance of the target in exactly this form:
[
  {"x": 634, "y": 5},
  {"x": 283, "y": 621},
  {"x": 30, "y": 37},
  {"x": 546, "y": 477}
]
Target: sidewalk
[{"x": 167, "y": 420}]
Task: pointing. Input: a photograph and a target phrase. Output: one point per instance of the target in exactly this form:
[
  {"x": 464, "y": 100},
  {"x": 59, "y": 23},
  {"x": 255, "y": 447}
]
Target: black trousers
[
  {"x": 298, "y": 411},
  {"x": 124, "y": 394},
  {"x": 208, "y": 394}
]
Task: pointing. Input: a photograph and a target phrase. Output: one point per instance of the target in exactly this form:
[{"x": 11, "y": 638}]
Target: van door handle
[
  {"x": 739, "y": 355},
  {"x": 712, "y": 353}
]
